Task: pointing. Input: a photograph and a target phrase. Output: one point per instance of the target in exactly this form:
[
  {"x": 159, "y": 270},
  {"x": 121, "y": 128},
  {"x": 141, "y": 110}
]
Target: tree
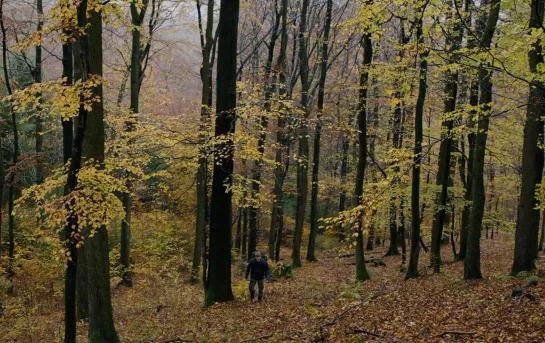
[
  {"x": 302, "y": 163},
  {"x": 472, "y": 262},
  {"x": 15, "y": 157},
  {"x": 412, "y": 270},
  {"x": 281, "y": 166},
  {"x": 101, "y": 324},
  {"x": 207, "y": 43},
  {"x": 361, "y": 269},
  {"x": 527, "y": 231},
  {"x": 453, "y": 42},
  {"x": 317, "y": 134},
  {"x": 262, "y": 136},
  {"x": 218, "y": 286}
]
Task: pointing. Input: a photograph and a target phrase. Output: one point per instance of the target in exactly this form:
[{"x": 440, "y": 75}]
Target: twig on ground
[
  {"x": 178, "y": 339},
  {"x": 257, "y": 338},
  {"x": 370, "y": 297},
  {"x": 371, "y": 333},
  {"x": 457, "y": 333}
]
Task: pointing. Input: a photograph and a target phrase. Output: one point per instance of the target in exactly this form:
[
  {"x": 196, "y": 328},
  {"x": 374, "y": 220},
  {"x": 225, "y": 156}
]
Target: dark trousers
[{"x": 260, "y": 287}]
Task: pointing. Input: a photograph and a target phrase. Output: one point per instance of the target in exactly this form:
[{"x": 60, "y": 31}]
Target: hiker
[{"x": 258, "y": 269}]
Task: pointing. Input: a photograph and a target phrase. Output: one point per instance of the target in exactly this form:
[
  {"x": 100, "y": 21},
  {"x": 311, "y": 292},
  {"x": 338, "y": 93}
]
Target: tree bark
[
  {"x": 361, "y": 269},
  {"x": 302, "y": 163},
  {"x": 527, "y": 231},
  {"x": 472, "y": 262},
  {"x": 218, "y": 288},
  {"x": 207, "y": 43},
  {"x": 70, "y": 239},
  {"x": 542, "y": 237},
  {"x": 453, "y": 43},
  {"x": 11, "y": 176},
  {"x": 412, "y": 270},
  {"x": 38, "y": 79},
  {"x": 311, "y": 256},
  {"x": 262, "y": 137},
  {"x": 473, "y": 102},
  {"x": 101, "y": 324},
  {"x": 277, "y": 213}
]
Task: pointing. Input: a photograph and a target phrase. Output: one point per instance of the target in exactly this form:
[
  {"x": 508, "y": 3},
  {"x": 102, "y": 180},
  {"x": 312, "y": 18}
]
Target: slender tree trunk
[
  {"x": 11, "y": 178},
  {"x": 101, "y": 324},
  {"x": 70, "y": 238},
  {"x": 207, "y": 43},
  {"x": 453, "y": 43},
  {"x": 361, "y": 269},
  {"x": 218, "y": 288},
  {"x": 238, "y": 234},
  {"x": 82, "y": 293},
  {"x": 277, "y": 218},
  {"x": 38, "y": 79},
  {"x": 527, "y": 232},
  {"x": 244, "y": 232},
  {"x": 402, "y": 230},
  {"x": 472, "y": 262},
  {"x": 471, "y": 137},
  {"x": 372, "y": 144},
  {"x": 302, "y": 163},
  {"x": 542, "y": 238},
  {"x": 412, "y": 270},
  {"x": 311, "y": 255},
  {"x": 262, "y": 128}
]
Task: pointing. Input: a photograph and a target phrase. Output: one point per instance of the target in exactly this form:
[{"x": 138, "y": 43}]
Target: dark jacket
[{"x": 258, "y": 269}]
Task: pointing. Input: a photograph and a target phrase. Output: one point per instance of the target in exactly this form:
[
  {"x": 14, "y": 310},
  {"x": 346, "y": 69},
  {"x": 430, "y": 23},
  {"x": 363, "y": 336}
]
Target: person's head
[{"x": 257, "y": 255}]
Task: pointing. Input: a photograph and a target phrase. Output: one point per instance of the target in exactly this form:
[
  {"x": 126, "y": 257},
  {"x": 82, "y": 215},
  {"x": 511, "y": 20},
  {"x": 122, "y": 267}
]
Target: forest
[{"x": 375, "y": 166}]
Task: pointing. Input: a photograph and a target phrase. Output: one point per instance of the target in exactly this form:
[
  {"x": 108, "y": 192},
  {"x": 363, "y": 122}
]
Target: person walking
[{"x": 258, "y": 269}]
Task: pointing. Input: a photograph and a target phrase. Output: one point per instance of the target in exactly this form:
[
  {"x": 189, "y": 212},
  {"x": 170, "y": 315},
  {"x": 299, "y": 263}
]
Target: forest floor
[{"x": 321, "y": 304}]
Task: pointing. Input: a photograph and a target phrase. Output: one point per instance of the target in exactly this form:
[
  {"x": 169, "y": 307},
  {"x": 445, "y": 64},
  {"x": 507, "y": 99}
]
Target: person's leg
[
  {"x": 260, "y": 287},
  {"x": 252, "y": 288}
]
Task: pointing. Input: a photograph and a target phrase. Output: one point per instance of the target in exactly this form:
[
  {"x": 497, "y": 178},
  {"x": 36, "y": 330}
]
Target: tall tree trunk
[
  {"x": 218, "y": 287},
  {"x": 101, "y": 324},
  {"x": 472, "y": 262},
  {"x": 82, "y": 293},
  {"x": 302, "y": 160},
  {"x": 471, "y": 137},
  {"x": 238, "y": 233},
  {"x": 453, "y": 43},
  {"x": 542, "y": 237},
  {"x": 397, "y": 144},
  {"x": 527, "y": 232},
  {"x": 401, "y": 230},
  {"x": 244, "y": 232},
  {"x": 38, "y": 79},
  {"x": 412, "y": 270},
  {"x": 70, "y": 238},
  {"x": 372, "y": 144},
  {"x": 207, "y": 43},
  {"x": 262, "y": 128},
  {"x": 311, "y": 256},
  {"x": 361, "y": 269},
  {"x": 277, "y": 213},
  {"x": 11, "y": 178},
  {"x": 137, "y": 17}
]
